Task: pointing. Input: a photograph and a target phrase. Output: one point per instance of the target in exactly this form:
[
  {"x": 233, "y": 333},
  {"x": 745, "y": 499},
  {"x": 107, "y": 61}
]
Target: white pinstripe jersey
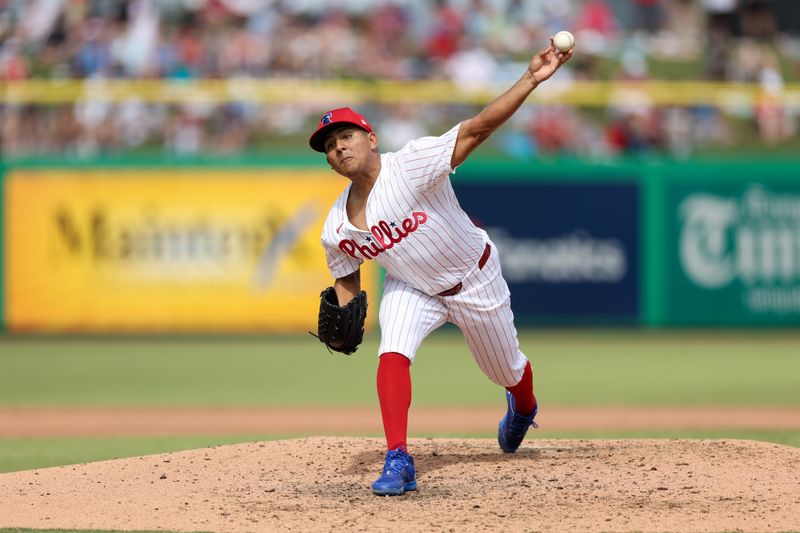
[{"x": 417, "y": 230}]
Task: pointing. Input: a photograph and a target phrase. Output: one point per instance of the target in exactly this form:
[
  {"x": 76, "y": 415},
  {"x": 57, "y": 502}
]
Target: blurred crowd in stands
[{"x": 473, "y": 43}]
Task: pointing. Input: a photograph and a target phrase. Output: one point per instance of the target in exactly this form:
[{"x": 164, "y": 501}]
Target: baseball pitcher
[{"x": 400, "y": 209}]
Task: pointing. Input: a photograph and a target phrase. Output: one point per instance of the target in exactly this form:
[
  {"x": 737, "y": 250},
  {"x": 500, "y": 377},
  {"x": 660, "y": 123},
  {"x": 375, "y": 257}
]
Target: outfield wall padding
[{"x": 205, "y": 245}]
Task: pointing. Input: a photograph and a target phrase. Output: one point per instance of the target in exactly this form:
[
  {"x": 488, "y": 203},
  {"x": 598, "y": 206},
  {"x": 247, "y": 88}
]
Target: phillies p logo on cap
[{"x": 336, "y": 117}]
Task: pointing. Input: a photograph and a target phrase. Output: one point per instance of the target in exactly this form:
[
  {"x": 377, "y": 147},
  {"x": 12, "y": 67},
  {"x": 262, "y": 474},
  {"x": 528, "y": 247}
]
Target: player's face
[{"x": 348, "y": 149}]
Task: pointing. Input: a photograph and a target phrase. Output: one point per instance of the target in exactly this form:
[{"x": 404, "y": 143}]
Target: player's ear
[{"x": 373, "y": 141}]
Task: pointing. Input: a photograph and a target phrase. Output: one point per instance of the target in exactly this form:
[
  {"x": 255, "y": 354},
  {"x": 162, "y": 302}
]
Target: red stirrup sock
[
  {"x": 394, "y": 394},
  {"x": 524, "y": 399}
]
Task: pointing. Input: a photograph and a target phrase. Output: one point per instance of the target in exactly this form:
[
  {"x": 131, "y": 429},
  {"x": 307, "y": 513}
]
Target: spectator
[
  {"x": 650, "y": 15},
  {"x": 721, "y": 23},
  {"x": 758, "y": 19},
  {"x": 596, "y": 27},
  {"x": 446, "y": 31}
]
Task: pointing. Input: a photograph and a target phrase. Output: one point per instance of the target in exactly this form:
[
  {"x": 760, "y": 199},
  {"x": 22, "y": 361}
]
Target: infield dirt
[{"x": 322, "y": 484}]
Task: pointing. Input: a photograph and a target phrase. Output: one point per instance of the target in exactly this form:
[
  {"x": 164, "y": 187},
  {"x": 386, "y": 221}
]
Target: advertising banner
[
  {"x": 167, "y": 250},
  {"x": 734, "y": 254},
  {"x": 569, "y": 251}
]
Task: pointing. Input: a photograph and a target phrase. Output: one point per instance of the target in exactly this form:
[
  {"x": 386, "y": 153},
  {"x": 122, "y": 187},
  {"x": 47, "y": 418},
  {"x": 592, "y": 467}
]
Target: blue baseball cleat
[
  {"x": 398, "y": 474},
  {"x": 514, "y": 426}
]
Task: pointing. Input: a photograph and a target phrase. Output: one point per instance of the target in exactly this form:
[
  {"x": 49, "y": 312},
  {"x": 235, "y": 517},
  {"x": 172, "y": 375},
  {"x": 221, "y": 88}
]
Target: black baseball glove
[{"x": 341, "y": 328}]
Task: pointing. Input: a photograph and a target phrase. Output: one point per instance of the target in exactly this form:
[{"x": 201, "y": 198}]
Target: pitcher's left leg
[{"x": 483, "y": 313}]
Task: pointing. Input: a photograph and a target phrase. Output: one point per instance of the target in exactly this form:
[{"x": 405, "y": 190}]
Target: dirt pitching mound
[{"x": 322, "y": 484}]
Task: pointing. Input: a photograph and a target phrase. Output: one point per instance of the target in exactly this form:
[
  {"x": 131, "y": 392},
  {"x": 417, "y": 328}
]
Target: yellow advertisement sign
[{"x": 167, "y": 250}]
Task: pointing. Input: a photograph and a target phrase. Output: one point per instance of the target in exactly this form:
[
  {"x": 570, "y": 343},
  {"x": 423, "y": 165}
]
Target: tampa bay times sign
[{"x": 736, "y": 254}]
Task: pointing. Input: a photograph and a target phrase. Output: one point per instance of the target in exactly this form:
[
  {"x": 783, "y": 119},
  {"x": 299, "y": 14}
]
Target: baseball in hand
[{"x": 564, "y": 41}]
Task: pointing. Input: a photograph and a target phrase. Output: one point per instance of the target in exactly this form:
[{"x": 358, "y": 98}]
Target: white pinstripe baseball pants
[{"x": 481, "y": 310}]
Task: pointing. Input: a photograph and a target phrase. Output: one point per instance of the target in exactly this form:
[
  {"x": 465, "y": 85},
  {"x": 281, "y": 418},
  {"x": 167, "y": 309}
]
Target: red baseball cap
[{"x": 336, "y": 118}]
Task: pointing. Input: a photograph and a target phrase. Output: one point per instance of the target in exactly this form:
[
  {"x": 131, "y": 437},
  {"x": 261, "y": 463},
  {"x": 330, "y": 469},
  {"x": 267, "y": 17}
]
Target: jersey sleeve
[
  {"x": 339, "y": 263},
  {"x": 426, "y": 161}
]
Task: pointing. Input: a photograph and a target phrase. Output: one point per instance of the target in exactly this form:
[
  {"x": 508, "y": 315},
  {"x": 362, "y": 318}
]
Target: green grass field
[{"x": 572, "y": 367}]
